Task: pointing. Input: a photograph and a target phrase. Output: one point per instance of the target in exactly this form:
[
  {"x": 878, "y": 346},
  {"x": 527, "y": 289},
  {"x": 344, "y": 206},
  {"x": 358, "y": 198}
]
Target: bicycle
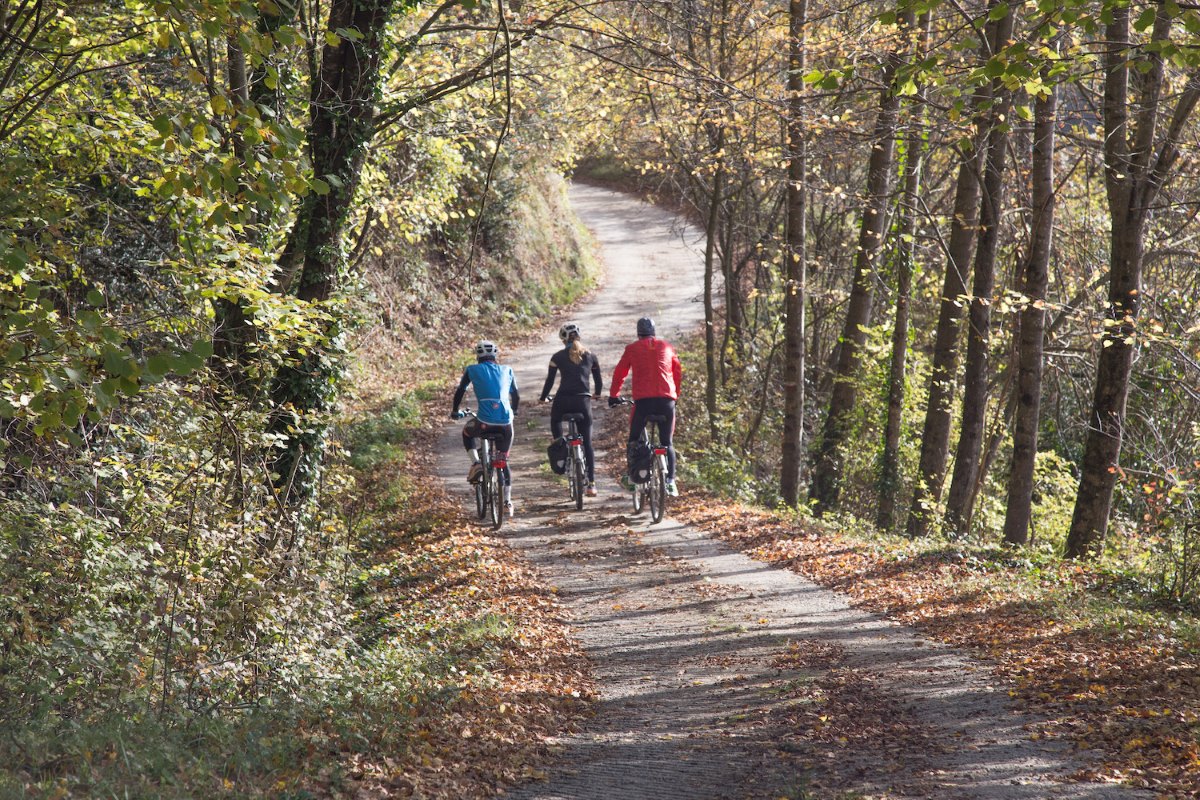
[
  {"x": 654, "y": 490},
  {"x": 576, "y": 461},
  {"x": 489, "y": 489}
]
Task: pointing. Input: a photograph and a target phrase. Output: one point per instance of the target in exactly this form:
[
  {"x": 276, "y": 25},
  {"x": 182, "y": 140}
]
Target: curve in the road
[{"x": 685, "y": 635}]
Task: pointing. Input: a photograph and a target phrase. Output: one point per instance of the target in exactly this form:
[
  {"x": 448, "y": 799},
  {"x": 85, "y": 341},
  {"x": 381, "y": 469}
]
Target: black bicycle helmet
[{"x": 645, "y": 327}]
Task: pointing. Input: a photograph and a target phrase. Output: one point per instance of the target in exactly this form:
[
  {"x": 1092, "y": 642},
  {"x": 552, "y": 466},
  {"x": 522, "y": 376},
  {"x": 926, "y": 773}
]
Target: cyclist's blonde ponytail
[{"x": 576, "y": 350}]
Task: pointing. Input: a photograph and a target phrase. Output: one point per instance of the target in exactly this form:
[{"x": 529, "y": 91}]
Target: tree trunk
[
  {"x": 710, "y": 255},
  {"x": 935, "y": 438},
  {"x": 1136, "y": 164},
  {"x": 935, "y": 435},
  {"x": 313, "y": 263},
  {"x": 979, "y": 314},
  {"x": 234, "y": 334},
  {"x": 889, "y": 469},
  {"x": 1031, "y": 324},
  {"x": 795, "y": 271},
  {"x": 827, "y": 466}
]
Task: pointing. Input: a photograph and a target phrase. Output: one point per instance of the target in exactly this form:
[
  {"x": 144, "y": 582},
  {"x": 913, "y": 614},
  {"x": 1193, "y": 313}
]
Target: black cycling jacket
[{"x": 574, "y": 376}]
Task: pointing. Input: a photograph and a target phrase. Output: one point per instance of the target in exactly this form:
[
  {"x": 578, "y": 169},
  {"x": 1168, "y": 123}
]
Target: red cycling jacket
[{"x": 656, "y": 370}]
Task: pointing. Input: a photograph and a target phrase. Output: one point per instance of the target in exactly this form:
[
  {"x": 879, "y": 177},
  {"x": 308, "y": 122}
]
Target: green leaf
[
  {"x": 187, "y": 363},
  {"x": 114, "y": 362},
  {"x": 203, "y": 348},
  {"x": 319, "y": 186},
  {"x": 998, "y": 12},
  {"x": 158, "y": 365}
]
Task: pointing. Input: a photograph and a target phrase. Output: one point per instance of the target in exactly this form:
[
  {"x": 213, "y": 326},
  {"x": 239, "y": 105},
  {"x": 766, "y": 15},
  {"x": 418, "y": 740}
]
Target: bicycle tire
[
  {"x": 573, "y": 487},
  {"x": 658, "y": 490},
  {"x": 496, "y": 499},
  {"x": 577, "y": 478},
  {"x": 481, "y": 486}
]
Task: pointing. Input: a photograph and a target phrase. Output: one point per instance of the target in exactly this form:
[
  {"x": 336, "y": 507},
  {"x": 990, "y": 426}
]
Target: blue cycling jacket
[{"x": 495, "y": 389}]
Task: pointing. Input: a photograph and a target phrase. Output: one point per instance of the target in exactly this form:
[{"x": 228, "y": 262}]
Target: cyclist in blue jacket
[{"x": 496, "y": 401}]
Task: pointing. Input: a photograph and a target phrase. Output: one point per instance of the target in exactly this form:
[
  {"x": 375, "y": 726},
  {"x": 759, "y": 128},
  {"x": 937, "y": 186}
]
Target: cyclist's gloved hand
[
  {"x": 613, "y": 402},
  {"x": 457, "y": 414}
]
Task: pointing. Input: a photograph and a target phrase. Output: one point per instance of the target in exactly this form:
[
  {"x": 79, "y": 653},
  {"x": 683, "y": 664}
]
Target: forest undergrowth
[{"x": 440, "y": 662}]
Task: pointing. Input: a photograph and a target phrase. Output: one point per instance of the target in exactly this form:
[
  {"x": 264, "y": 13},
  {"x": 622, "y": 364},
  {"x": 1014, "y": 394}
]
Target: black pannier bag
[
  {"x": 639, "y": 455},
  {"x": 557, "y": 453}
]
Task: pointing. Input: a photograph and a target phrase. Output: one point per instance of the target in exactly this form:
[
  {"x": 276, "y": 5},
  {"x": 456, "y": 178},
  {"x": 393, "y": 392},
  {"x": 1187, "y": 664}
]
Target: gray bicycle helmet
[
  {"x": 645, "y": 327},
  {"x": 567, "y": 331}
]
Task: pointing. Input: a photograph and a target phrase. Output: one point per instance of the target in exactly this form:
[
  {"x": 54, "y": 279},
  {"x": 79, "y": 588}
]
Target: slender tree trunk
[
  {"x": 235, "y": 334},
  {"x": 795, "y": 271},
  {"x": 710, "y": 256},
  {"x": 828, "y": 464},
  {"x": 935, "y": 439},
  {"x": 1031, "y": 324},
  {"x": 889, "y": 470},
  {"x": 935, "y": 435},
  {"x": 1136, "y": 164},
  {"x": 313, "y": 264},
  {"x": 979, "y": 314}
]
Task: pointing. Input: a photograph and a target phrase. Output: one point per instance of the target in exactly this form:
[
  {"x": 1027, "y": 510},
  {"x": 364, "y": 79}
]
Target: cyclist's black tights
[
  {"x": 501, "y": 445},
  {"x": 660, "y": 407},
  {"x": 575, "y": 404}
]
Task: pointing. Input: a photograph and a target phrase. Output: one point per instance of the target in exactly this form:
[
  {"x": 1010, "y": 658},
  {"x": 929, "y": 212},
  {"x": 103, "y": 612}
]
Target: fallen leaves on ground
[
  {"x": 439, "y": 570},
  {"x": 1132, "y": 698}
]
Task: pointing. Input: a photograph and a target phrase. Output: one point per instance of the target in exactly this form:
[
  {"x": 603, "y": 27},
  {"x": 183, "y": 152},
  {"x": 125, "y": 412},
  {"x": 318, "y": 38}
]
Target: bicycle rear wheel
[
  {"x": 573, "y": 487},
  {"x": 577, "y": 478},
  {"x": 658, "y": 490},
  {"x": 496, "y": 499}
]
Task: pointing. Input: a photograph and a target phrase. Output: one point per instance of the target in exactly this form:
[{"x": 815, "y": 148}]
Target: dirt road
[{"x": 718, "y": 673}]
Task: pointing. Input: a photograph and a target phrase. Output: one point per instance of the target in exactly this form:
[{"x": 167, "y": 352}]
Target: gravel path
[{"x": 720, "y": 676}]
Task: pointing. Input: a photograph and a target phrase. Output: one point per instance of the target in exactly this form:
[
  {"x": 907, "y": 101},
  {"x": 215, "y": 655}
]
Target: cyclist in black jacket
[{"x": 575, "y": 362}]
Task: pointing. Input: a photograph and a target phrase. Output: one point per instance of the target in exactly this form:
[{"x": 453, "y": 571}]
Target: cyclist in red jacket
[{"x": 657, "y": 377}]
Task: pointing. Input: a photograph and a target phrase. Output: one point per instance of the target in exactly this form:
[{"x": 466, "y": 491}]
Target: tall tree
[
  {"x": 935, "y": 435},
  {"x": 827, "y": 467},
  {"x": 313, "y": 262},
  {"x": 960, "y": 498},
  {"x": 1031, "y": 325},
  {"x": 889, "y": 468},
  {"x": 795, "y": 256},
  {"x": 1137, "y": 162}
]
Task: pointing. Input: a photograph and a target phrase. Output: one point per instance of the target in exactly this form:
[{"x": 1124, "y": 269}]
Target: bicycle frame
[
  {"x": 576, "y": 466},
  {"x": 576, "y": 461},
  {"x": 653, "y": 491},
  {"x": 489, "y": 491}
]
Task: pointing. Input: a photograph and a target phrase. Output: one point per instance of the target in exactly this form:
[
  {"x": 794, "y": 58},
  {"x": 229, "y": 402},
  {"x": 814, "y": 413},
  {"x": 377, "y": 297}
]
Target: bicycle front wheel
[
  {"x": 481, "y": 508},
  {"x": 658, "y": 490}
]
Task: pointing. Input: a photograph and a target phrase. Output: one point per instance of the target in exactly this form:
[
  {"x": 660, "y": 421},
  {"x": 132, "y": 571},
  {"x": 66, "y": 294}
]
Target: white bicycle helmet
[
  {"x": 486, "y": 349},
  {"x": 567, "y": 330}
]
